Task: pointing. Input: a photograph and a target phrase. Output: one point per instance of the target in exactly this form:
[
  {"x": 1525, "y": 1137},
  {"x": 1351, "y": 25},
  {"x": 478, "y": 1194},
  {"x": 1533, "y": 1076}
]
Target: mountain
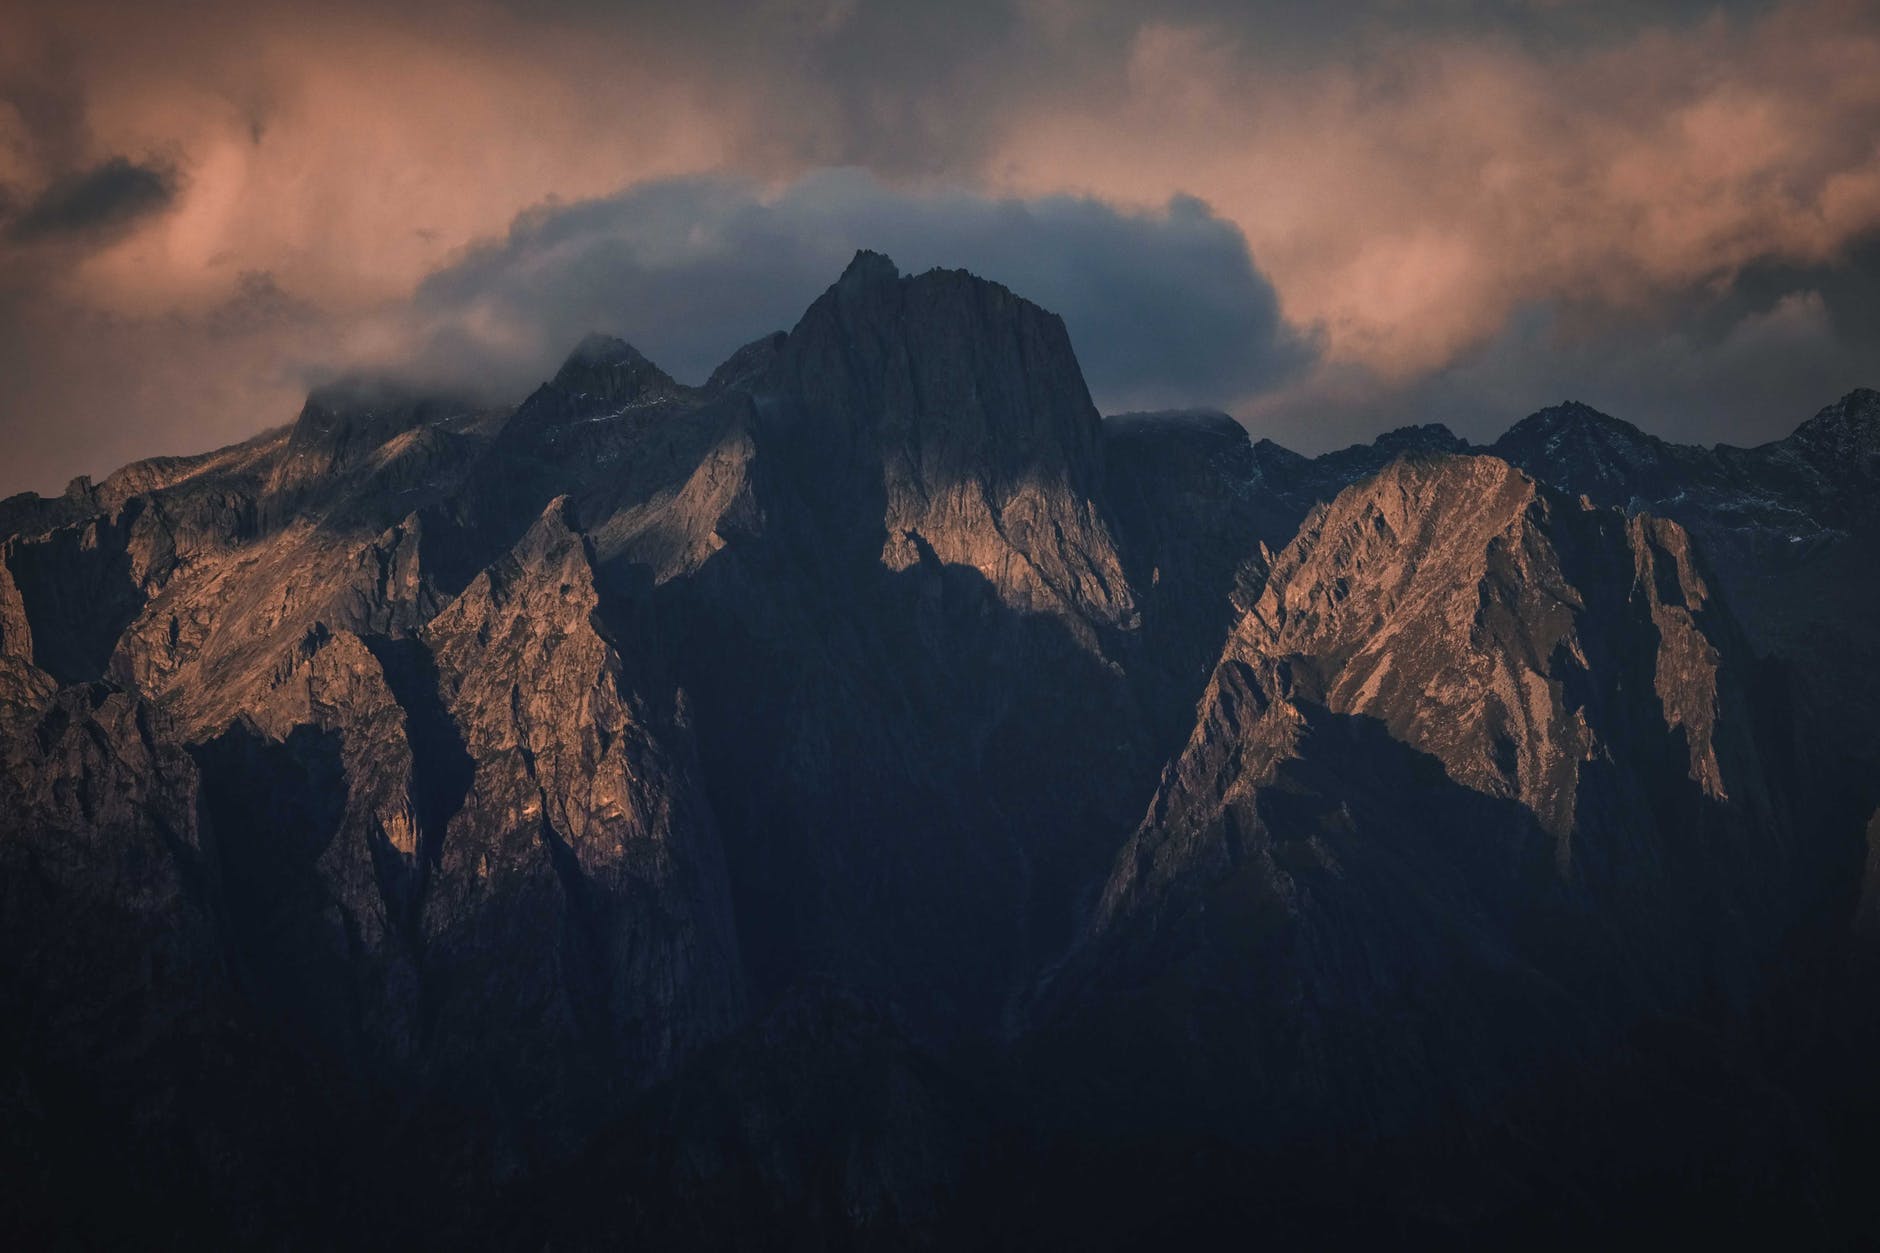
[
  {"x": 1482, "y": 763},
  {"x": 871, "y": 799},
  {"x": 1792, "y": 531}
]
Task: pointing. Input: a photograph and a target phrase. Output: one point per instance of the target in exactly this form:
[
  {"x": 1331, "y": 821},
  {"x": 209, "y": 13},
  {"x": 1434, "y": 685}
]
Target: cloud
[
  {"x": 88, "y": 391},
  {"x": 1422, "y": 185},
  {"x": 1163, "y": 306},
  {"x": 110, "y": 197},
  {"x": 1746, "y": 367},
  {"x": 1415, "y": 192}
]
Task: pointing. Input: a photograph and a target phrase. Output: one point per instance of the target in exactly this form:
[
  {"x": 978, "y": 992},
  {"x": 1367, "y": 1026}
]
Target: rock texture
[
  {"x": 578, "y": 906},
  {"x": 869, "y": 800},
  {"x": 1791, "y": 532},
  {"x": 1475, "y": 746}
]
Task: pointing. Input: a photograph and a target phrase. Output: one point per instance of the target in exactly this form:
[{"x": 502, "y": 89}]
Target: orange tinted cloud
[
  {"x": 1408, "y": 179},
  {"x": 350, "y": 154},
  {"x": 1409, "y": 198}
]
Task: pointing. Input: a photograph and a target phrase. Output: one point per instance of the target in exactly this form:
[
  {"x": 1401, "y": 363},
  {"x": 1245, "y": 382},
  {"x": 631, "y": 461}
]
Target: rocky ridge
[{"x": 656, "y": 765}]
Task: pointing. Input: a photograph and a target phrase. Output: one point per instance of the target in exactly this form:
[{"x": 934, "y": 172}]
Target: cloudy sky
[{"x": 1327, "y": 219}]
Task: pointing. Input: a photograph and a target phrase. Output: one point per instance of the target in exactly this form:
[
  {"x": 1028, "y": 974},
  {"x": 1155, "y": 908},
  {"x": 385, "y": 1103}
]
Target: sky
[{"x": 1328, "y": 220}]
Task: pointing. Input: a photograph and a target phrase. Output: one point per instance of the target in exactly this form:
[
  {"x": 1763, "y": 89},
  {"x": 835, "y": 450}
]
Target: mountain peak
[
  {"x": 1842, "y": 442},
  {"x": 1575, "y": 415},
  {"x": 1444, "y": 483},
  {"x": 603, "y": 374},
  {"x": 1856, "y": 413},
  {"x": 1576, "y": 447},
  {"x": 366, "y": 410},
  {"x": 598, "y": 349},
  {"x": 1425, "y": 437},
  {"x": 943, "y": 404},
  {"x": 867, "y": 269}
]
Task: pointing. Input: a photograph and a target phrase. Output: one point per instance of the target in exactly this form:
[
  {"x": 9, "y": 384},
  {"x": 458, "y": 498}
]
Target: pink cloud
[{"x": 1409, "y": 197}]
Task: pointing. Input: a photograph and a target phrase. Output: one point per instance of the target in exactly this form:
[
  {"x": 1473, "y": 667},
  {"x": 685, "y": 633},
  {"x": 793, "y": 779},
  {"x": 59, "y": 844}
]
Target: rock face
[
  {"x": 1792, "y": 535},
  {"x": 868, "y": 799},
  {"x": 578, "y": 901},
  {"x": 1475, "y": 746},
  {"x": 958, "y": 411},
  {"x": 1288, "y": 485}
]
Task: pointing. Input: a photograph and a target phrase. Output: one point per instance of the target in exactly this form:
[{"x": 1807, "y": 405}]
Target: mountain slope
[
  {"x": 1477, "y": 789},
  {"x": 869, "y": 799}
]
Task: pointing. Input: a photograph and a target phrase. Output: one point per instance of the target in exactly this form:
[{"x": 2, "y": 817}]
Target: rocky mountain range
[{"x": 870, "y": 800}]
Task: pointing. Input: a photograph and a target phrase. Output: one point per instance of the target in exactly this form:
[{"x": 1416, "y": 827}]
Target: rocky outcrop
[
  {"x": 345, "y": 424},
  {"x": 731, "y": 814},
  {"x": 1183, "y": 491},
  {"x": 910, "y": 600},
  {"x": 603, "y": 376},
  {"x": 113, "y": 956},
  {"x": 944, "y": 408},
  {"x": 1790, "y": 533},
  {"x": 1286, "y": 486},
  {"x": 577, "y": 929},
  {"x": 313, "y": 793},
  {"x": 1480, "y": 764}
]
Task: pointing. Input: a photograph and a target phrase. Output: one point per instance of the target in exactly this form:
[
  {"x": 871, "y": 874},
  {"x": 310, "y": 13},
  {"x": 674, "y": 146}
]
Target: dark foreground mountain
[{"x": 868, "y": 800}]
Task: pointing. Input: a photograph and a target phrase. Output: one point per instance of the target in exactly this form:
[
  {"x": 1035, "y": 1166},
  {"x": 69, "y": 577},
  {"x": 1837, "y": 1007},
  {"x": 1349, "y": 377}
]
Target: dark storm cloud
[
  {"x": 111, "y": 196},
  {"x": 1164, "y": 308},
  {"x": 913, "y": 85},
  {"x": 1849, "y": 289},
  {"x": 1742, "y": 367},
  {"x": 1738, "y": 364}
]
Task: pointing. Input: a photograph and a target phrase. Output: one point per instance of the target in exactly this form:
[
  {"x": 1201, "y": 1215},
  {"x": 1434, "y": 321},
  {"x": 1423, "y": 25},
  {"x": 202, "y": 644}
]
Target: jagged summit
[
  {"x": 1461, "y": 697},
  {"x": 1572, "y": 421},
  {"x": 1286, "y": 485},
  {"x": 343, "y": 423},
  {"x": 604, "y": 375},
  {"x": 598, "y": 350},
  {"x": 374, "y": 399},
  {"x": 944, "y": 405},
  {"x": 1847, "y": 430},
  {"x": 608, "y": 365},
  {"x": 1574, "y": 443},
  {"x": 1426, "y": 437},
  {"x": 868, "y": 268}
]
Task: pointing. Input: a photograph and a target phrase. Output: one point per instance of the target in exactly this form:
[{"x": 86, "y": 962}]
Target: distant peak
[
  {"x": 1846, "y": 432},
  {"x": 868, "y": 269},
  {"x": 1569, "y": 411},
  {"x": 1429, "y": 436},
  {"x": 602, "y": 371},
  {"x": 1571, "y": 416},
  {"x": 1862, "y": 405},
  {"x": 596, "y": 349},
  {"x": 374, "y": 402}
]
